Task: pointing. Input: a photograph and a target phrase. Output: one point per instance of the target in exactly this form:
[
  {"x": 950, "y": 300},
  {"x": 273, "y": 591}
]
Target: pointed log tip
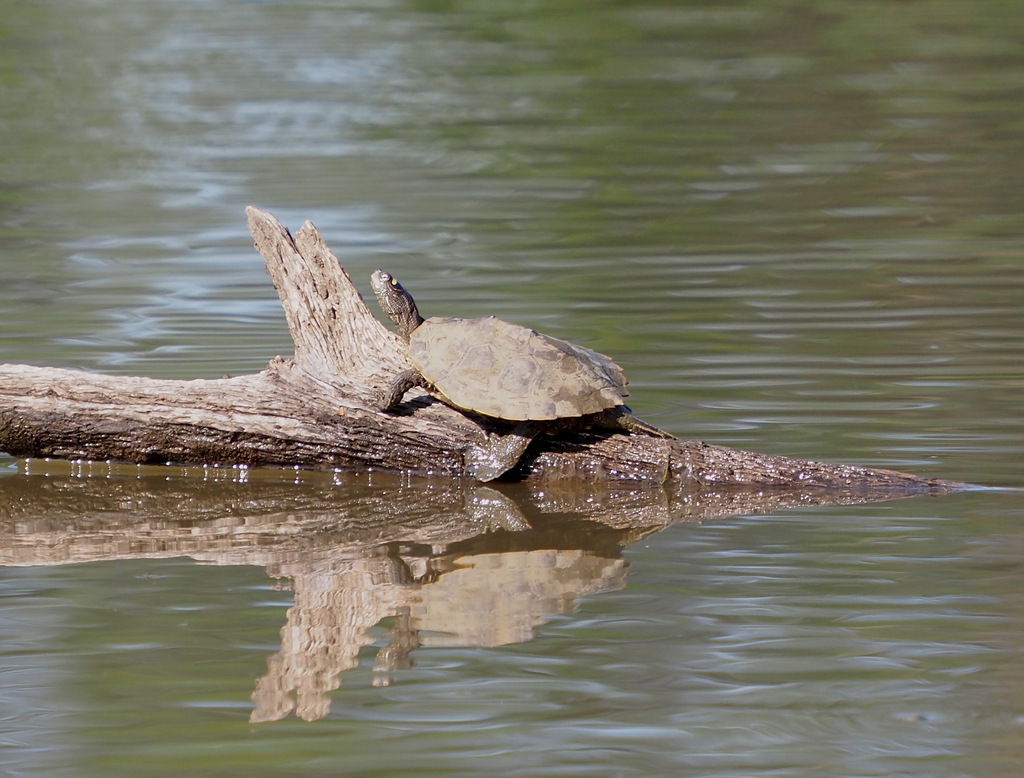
[
  {"x": 255, "y": 215},
  {"x": 308, "y": 228},
  {"x": 309, "y": 239},
  {"x": 262, "y": 223}
]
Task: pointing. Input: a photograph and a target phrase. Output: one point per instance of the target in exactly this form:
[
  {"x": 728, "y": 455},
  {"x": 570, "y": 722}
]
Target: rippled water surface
[{"x": 798, "y": 226}]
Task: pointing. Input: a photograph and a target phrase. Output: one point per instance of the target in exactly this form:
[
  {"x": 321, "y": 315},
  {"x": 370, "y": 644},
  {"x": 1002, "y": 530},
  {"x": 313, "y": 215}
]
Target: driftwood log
[{"x": 316, "y": 410}]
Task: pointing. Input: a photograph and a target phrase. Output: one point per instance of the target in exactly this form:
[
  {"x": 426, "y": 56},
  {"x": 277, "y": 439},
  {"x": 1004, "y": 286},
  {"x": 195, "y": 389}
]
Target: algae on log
[{"x": 316, "y": 409}]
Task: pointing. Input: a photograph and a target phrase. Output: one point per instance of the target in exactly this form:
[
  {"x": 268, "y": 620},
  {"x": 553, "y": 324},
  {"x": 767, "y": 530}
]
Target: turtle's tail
[{"x": 622, "y": 418}]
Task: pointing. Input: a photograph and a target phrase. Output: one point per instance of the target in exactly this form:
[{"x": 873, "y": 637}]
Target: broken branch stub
[{"x": 334, "y": 333}]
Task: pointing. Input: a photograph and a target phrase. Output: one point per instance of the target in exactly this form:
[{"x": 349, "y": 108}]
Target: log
[{"x": 316, "y": 409}]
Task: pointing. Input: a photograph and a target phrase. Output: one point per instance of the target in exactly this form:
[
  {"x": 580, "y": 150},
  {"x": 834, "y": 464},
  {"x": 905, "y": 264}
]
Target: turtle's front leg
[
  {"x": 499, "y": 452},
  {"x": 392, "y": 394}
]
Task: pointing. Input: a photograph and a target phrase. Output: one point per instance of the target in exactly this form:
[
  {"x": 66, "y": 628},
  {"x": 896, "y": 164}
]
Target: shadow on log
[
  {"x": 316, "y": 409},
  {"x": 446, "y": 562}
]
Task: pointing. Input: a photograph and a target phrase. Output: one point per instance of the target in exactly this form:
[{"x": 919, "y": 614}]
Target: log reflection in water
[{"x": 449, "y": 563}]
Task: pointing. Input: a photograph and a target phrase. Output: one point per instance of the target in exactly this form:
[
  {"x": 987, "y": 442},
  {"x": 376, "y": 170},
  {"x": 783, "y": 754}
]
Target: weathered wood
[{"x": 316, "y": 409}]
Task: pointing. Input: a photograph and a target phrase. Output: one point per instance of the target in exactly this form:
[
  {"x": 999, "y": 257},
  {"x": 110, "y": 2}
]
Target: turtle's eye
[{"x": 394, "y": 281}]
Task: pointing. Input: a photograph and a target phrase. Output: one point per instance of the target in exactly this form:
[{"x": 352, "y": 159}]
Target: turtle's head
[{"x": 396, "y": 302}]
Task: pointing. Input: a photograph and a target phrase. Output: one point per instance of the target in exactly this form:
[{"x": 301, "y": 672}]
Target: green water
[{"x": 798, "y": 226}]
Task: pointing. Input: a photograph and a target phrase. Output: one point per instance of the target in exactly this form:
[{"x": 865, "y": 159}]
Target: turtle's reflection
[{"x": 466, "y": 597}]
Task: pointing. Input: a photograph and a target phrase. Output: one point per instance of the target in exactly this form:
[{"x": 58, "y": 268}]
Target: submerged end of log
[{"x": 682, "y": 464}]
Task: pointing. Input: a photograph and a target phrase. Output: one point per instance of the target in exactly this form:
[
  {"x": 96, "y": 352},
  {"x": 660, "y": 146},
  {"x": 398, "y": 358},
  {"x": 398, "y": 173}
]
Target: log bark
[{"x": 316, "y": 410}]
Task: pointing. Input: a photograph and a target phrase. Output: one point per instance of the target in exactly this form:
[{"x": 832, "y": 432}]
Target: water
[{"x": 796, "y": 226}]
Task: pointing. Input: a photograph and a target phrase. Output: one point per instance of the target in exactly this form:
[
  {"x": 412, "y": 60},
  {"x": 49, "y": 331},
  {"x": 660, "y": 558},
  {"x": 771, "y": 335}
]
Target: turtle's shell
[{"x": 511, "y": 372}]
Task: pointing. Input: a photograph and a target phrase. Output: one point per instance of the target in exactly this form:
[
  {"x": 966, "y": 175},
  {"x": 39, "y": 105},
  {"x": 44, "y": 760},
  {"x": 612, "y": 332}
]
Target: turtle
[{"x": 529, "y": 382}]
